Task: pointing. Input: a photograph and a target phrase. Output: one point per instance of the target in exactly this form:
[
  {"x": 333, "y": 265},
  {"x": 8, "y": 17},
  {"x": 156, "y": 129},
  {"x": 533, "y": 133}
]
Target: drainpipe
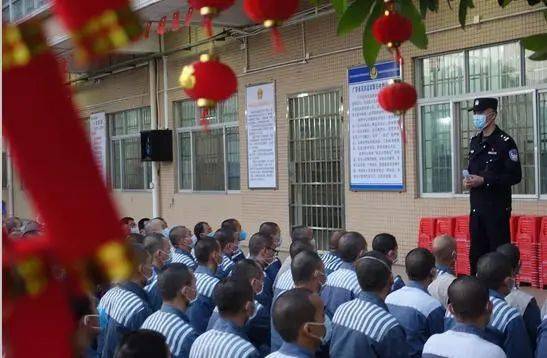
[{"x": 155, "y": 186}]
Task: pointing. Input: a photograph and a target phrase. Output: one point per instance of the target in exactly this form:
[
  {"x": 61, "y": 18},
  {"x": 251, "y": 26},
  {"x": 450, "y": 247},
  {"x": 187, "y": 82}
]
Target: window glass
[
  {"x": 132, "y": 166},
  {"x": 232, "y": 158},
  {"x": 542, "y": 103},
  {"x": 442, "y": 75},
  {"x": 494, "y": 68},
  {"x": 185, "y": 164},
  {"x": 436, "y": 149},
  {"x": 208, "y": 160},
  {"x": 536, "y": 71}
]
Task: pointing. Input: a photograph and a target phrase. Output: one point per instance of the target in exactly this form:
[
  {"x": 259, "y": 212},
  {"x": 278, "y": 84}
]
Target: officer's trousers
[{"x": 488, "y": 230}]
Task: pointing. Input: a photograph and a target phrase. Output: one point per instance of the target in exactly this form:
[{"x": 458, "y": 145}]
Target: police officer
[{"x": 494, "y": 166}]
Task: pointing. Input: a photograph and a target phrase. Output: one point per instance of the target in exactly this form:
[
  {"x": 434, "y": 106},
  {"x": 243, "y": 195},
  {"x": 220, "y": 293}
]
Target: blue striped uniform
[
  {"x": 542, "y": 338},
  {"x": 266, "y": 296},
  {"x": 257, "y": 327},
  {"x": 342, "y": 286},
  {"x": 283, "y": 283},
  {"x": 291, "y": 350},
  {"x": 506, "y": 328},
  {"x": 462, "y": 341},
  {"x": 397, "y": 283},
  {"x": 238, "y": 255},
  {"x": 175, "y": 326},
  {"x": 225, "y": 340},
  {"x": 363, "y": 327},
  {"x": 529, "y": 310},
  {"x": 225, "y": 267},
  {"x": 122, "y": 309},
  {"x": 420, "y": 314},
  {"x": 153, "y": 292},
  {"x": 183, "y": 257},
  {"x": 439, "y": 287},
  {"x": 200, "y": 311},
  {"x": 331, "y": 261}
]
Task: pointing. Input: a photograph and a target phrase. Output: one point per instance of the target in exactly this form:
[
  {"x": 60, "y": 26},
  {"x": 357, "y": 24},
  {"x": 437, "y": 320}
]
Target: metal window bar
[{"x": 315, "y": 164}]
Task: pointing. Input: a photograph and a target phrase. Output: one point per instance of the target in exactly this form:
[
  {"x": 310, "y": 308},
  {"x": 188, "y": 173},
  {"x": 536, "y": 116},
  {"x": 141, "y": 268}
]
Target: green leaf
[
  {"x": 462, "y": 14},
  {"x": 535, "y": 42},
  {"x": 539, "y": 56},
  {"x": 423, "y": 8},
  {"x": 339, "y": 6},
  {"x": 431, "y": 5},
  {"x": 545, "y": 14},
  {"x": 354, "y": 16},
  {"x": 504, "y": 3},
  {"x": 371, "y": 47},
  {"x": 418, "y": 38}
]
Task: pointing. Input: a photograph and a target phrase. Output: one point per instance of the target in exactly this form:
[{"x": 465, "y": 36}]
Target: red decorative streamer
[
  {"x": 188, "y": 16},
  {"x": 175, "y": 24},
  {"x": 146, "y": 33},
  {"x": 161, "y": 26},
  {"x": 276, "y": 40},
  {"x": 208, "y": 24},
  {"x": 204, "y": 122}
]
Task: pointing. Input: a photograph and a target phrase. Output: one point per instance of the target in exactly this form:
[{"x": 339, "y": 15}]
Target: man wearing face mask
[
  {"x": 285, "y": 280},
  {"x": 124, "y": 307},
  {"x": 227, "y": 339},
  {"x": 208, "y": 257},
  {"x": 228, "y": 241},
  {"x": 177, "y": 286},
  {"x": 387, "y": 245},
  {"x": 444, "y": 250},
  {"x": 258, "y": 326},
  {"x": 182, "y": 241},
  {"x": 263, "y": 252},
  {"x": 494, "y": 166},
  {"x": 506, "y": 327},
  {"x": 160, "y": 250},
  {"x": 234, "y": 225},
  {"x": 308, "y": 272},
  {"x": 298, "y": 316},
  {"x": 272, "y": 229}
]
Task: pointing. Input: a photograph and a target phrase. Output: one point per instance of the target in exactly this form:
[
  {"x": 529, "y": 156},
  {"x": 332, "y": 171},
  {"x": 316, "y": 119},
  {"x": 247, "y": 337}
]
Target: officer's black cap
[{"x": 480, "y": 104}]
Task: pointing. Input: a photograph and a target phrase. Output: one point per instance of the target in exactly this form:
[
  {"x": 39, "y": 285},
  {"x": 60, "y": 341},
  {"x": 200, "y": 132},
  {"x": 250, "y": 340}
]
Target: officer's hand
[
  {"x": 474, "y": 181},
  {"x": 465, "y": 183}
]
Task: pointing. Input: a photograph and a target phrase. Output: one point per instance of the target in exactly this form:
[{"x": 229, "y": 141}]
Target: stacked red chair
[
  {"x": 445, "y": 226},
  {"x": 426, "y": 232},
  {"x": 543, "y": 253},
  {"x": 513, "y": 225},
  {"x": 463, "y": 243},
  {"x": 527, "y": 240}
]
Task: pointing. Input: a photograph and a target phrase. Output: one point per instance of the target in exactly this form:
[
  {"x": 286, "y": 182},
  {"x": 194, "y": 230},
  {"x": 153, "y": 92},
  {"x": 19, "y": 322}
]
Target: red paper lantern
[
  {"x": 392, "y": 29},
  {"x": 208, "y": 81},
  {"x": 208, "y": 9},
  {"x": 271, "y": 13},
  {"x": 397, "y": 97}
]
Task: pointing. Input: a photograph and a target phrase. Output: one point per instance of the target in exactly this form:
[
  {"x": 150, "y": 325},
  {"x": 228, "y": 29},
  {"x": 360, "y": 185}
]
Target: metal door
[{"x": 315, "y": 163}]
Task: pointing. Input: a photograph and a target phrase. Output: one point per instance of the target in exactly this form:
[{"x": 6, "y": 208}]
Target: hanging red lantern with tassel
[
  {"x": 208, "y": 81},
  {"x": 208, "y": 9},
  {"x": 271, "y": 13},
  {"x": 99, "y": 26},
  {"x": 392, "y": 29},
  {"x": 397, "y": 97}
]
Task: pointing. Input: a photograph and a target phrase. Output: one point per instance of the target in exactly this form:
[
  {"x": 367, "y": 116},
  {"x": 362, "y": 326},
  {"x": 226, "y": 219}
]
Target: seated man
[
  {"x": 262, "y": 251},
  {"x": 142, "y": 344},
  {"x": 177, "y": 286},
  {"x": 542, "y": 338},
  {"x": 506, "y": 327},
  {"x": 387, "y": 245},
  {"x": 444, "y": 250},
  {"x": 471, "y": 308},
  {"x": 272, "y": 229},
  {"x": 234, "y": 225},
  {"x": 420, "y": 314},
  {"x": 298, "y": 316},
  {"x": 181, "y": 240},
  {"x": 525, "y": 303},
  {"x": 298, "y": 233},
  {"x": 258, "y": 326},
  {"x": 308, "y": 272},
  {"x": 227, "y": 339},
  {"x": 208, "y": 256},
  {"x": 285, "y": 282},
  {"x": 331, "y": 258},
  {"x": 160, "y": 250},
  {"x": 124, "y": 307},
  {"x": 228, "y": 241},
  {"x": 364, "y": 327},
  {"x": 342, "y": 285}
]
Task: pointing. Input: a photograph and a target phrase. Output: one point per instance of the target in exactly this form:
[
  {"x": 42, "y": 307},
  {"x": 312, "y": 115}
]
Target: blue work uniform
[
  {"x": 342, "y": 286},
  {"x": 529, "y": 310},
  {"x": 397, "y": 283},
  {"x": 284, "y": 283},
  {"x": 439, "y": 287},
  {"x": 154, "y": 297},
  {"x": 238, "y": 255},
  {"x": 462, "y": 341},
  {"x": 201, "y": 309},
  {"x": 331, "y": 261},
  {"x": 266, "y": 296},
  {"x": 542, "y": 339},
  {"x": 291, "y": 350},
  {"x": 175, "y": 326},
  {"x": 420, "y": 314},
  {"x": 257, "y": 327},
  {"x": 183, "y": 257},
  {"x": 506, "y": 328},
  {"x": 225, "y": 267},
  {"x": 364, "y": 327},
  {"x": 122, "y": 309},
  {"x": 225, "y": 340}
]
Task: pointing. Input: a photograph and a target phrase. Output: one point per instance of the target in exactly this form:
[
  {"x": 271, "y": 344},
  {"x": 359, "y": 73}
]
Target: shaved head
[
  {"x": 444, "y": 247},
  {"x": 468, "y": 297},
  {"x": 351, "y": 245}
]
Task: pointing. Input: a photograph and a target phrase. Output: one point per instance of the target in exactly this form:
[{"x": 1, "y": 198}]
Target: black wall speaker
[{"x": 157, "y": 145}]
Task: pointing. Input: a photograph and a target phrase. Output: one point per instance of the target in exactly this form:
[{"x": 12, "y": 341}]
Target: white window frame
[
  {"x": 196, "y": 128},
  {"x": 120, "y": 138},
  {"x": 452, "y": 100}
]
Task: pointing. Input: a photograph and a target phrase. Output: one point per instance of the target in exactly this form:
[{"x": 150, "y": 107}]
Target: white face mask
[
  {"x": 194, "y": 240},
  {"x": 135, "y": 230}
]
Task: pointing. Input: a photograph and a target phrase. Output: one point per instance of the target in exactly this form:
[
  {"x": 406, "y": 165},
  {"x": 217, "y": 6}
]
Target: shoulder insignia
[{"x": 514, "y": 155}]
